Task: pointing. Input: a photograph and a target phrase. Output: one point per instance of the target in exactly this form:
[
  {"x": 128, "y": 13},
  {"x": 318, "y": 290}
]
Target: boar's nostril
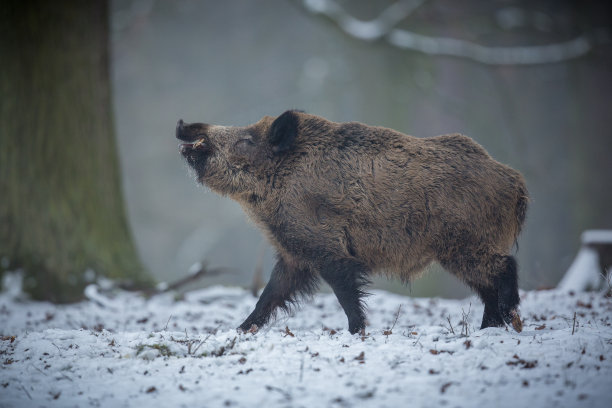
[{"x": 179, "y": 128}]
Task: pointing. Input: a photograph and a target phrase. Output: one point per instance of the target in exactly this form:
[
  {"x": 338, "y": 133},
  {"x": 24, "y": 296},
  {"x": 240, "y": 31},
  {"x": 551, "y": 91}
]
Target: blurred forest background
[
  {"x": 529, "y": 80},
  {"x": 231, "y": 63}
]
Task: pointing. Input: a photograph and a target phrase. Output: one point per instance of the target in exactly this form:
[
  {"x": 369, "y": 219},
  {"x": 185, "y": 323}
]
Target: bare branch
[
  {"x": 383, "y": 27},
  {"x": 364, "y": 30},
  {"x": 520, "y": 55}
]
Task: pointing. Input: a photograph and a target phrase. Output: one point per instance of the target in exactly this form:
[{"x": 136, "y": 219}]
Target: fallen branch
[{"x": 197, "y": 271}]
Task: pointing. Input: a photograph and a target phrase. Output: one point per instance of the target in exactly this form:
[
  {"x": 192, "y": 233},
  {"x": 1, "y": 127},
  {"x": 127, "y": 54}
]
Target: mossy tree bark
[{"x": 61, "y": 206}]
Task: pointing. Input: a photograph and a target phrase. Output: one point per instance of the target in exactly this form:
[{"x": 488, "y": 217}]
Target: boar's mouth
[
  {"x": 194, "y": 152},
  {"x": 188, "y": 148},
  {"x": 195, "y": 147},
  {"x": 185, "y": 148}
]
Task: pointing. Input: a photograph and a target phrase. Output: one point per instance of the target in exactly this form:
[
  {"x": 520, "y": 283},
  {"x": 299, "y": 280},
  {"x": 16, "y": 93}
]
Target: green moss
[
  {"x": 62, "y": 207},
  {"x": 164, "y": 350}
]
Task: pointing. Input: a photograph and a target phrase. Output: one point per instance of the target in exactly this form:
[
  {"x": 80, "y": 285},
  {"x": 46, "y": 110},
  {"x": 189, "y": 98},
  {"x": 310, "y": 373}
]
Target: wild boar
[{"x": 342, "y": 201}]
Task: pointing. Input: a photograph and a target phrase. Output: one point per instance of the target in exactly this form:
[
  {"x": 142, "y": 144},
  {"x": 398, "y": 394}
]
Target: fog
[{"x": 230, "y": 63}]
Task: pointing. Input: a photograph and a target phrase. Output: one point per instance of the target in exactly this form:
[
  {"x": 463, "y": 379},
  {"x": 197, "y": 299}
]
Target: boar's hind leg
[
  {"x": 507, "y": 289},
  {"x": 495, "y": 280},
  {"x": 491, "y": 316},
  {"x": 347, "y": 277},
  {"x": 502, "y": 298},
  {"x": 286, "y": 284}
]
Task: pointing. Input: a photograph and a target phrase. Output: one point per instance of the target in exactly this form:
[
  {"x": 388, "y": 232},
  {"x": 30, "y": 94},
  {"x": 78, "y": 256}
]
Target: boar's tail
[{"x": 521, "y": 211}]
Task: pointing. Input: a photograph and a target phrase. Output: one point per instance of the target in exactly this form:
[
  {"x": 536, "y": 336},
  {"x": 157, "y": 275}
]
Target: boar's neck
[{"x": 264, "y": 211}]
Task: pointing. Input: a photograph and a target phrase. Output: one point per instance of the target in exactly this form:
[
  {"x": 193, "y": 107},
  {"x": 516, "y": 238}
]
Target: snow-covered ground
[{"x": 165, "y": 352}]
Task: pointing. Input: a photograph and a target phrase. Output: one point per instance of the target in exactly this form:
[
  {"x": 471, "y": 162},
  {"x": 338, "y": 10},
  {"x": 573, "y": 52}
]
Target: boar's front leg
[
  {"x": 286, "y": 284},
  {"x": 347, "y": 277}
]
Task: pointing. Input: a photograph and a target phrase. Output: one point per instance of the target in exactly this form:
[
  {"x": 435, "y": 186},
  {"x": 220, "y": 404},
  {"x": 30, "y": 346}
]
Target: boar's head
[{"x": 235, "y": 160}]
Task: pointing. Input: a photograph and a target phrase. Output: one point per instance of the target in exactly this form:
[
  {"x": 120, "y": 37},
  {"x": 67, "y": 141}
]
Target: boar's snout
[
  {"x": 197, "y": 149},
  {"x": 184, "y": 148},
  {"x": 190, "y": 132},
  {"x": 183, "y": 133}
]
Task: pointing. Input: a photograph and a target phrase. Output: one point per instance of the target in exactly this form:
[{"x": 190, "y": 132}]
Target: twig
[
  {"x": 58, "y": 349},
  {"x": 396, "y": 316},
  {"x": 26, "y": 391},
  {"x": 607, "y": 277},
  {"x": 38, "y": 369},
  {"x": 66, "y": 377},
  {"x": 465, "y": 317},
  {"x": 280, "y": 390},
  {"x": 166, "y": 326},
  {"x": 204, "y": 341},
  {"x": 302, "y": 368},
  {"x": 574, "y": 325},
  {"x": 450, "y": 324}
]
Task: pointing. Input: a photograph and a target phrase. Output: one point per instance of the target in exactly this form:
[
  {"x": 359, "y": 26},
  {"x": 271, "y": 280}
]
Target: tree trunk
[{"x": 61, "y": 205}]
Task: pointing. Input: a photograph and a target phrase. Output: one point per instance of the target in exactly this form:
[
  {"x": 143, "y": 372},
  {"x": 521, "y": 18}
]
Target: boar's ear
[{"x": 283, "y": 131}]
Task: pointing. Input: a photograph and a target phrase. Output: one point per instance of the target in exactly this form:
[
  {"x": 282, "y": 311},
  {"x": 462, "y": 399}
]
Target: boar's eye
[{"x": 244, "y": 147}]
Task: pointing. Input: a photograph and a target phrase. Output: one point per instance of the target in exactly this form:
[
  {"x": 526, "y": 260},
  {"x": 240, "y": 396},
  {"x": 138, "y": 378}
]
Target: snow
[
  {"x": 584, "y": 272},
  {"x": 597, "y": 237},
  {"x": 126, "y": 351}
]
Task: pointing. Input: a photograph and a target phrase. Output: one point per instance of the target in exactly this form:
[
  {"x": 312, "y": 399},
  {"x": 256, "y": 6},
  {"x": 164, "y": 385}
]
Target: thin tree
[{"x": 61, "y": 204}]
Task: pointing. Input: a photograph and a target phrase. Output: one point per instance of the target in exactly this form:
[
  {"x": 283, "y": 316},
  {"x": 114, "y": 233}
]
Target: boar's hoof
[
  {"x": 491, "y": 319},
  {"x": 356, "y": 327},
  {"x": 517, "y": 324},
  {"x": 490, "y": 323},
  {"x": 246, "y": 328},
  {"x": 513, "y": 318}
]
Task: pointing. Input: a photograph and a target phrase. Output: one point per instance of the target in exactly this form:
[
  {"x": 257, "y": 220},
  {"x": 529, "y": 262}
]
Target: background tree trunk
[{"x": 61, "y": 205}]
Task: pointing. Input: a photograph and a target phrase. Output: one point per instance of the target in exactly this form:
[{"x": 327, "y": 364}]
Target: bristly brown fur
[{"x": 343, "y": 200}]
